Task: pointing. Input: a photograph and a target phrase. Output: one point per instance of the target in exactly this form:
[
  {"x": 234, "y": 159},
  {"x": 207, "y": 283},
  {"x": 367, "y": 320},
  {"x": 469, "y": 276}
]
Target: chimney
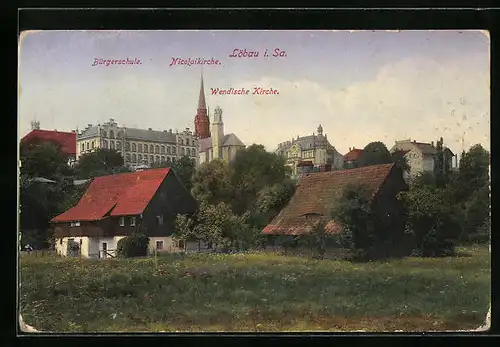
[
  {"x": 150, "y": 129},
  {"x": 414, "y": 141},
  {"x": 432, "y": 143}
]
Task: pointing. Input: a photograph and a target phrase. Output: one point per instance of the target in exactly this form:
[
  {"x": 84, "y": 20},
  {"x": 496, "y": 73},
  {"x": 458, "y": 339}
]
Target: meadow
[{"x": 255, "y": 292}]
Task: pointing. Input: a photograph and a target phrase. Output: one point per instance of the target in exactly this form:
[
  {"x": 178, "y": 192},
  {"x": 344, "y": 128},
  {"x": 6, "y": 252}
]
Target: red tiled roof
[
  {"x": 121, "y": 194},
  {"x": 66, "y": 140},
  {"x": 314, "y": 193},
  {"x": 353, "y": 154}
]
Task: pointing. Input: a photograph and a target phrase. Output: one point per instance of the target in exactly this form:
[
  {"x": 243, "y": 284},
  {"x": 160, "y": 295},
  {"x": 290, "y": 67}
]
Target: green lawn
[{"x": 255, "y": 292}]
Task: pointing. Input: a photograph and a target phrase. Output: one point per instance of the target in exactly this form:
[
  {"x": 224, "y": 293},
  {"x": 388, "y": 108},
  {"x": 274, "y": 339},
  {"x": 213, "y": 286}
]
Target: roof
[
  {"x": 407, "y": 145},
  {"x": 425, "y": 148},
  {"x": 133, "y": 134},
  {"x": 66, "y": 140},
  {"x": 314, "y": 193},
  {"x": 117, "y": 195},
  {"x": 353, "y": 154},
  {"x": 228, "y": 140}
]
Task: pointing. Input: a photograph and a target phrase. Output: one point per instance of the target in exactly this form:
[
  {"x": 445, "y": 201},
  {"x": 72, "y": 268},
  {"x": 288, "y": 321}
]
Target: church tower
[
  {"x": 201, "y": 121},
  {"x": 217, "y": 133}
]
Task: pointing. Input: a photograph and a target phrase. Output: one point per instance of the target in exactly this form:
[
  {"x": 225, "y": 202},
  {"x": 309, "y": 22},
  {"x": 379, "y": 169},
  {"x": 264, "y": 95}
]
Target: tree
[
  {"x": 99, "y": 163},
  {"x": 252, "y": 169},
  {"x": 184, "y": 168},
  {"x": 43, "y": 159},
  {"x": 211, "y": 183},
  {"x": 473, "y": 172},
  {"x": 271, "y": 200},
  {"x": 352, "y": 209},
  {"x": 374, "y": 153},
  {"x": 400, "y": 160}
]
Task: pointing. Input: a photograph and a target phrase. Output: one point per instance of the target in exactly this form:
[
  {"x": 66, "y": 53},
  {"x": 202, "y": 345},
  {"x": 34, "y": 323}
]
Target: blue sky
[{"x": 361, "y": 86}]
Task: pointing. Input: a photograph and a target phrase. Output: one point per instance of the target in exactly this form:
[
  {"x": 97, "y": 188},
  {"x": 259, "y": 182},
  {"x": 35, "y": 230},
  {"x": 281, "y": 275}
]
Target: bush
[{"x": 135, "y": 245}]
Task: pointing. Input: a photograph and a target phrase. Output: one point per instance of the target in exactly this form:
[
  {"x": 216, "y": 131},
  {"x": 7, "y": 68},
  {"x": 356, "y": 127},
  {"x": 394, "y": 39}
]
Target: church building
[{"x": 213, "y": 142}]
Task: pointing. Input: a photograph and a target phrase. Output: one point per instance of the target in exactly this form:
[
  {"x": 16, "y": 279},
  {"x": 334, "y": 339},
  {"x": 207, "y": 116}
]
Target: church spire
[{"x": 202, "y": 105}]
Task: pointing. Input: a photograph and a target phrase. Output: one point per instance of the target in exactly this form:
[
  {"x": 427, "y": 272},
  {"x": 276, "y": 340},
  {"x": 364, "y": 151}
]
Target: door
[{"x": 104, "y": 249}]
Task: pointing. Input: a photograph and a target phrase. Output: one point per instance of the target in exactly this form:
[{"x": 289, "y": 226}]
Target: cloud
[{"x": 415, "y": 98}]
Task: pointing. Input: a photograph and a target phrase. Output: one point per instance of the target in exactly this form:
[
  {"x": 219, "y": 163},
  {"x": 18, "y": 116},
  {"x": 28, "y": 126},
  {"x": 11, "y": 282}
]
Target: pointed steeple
[{"x": 202, "y": 105}]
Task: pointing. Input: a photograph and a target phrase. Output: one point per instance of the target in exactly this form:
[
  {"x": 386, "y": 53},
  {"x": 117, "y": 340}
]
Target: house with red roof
[
  {"x": 65, "y": 140},
  {"x": 316, "y": 191},
  {"x": 115, "y": 206},
  {"x": 351, "y": 157}
]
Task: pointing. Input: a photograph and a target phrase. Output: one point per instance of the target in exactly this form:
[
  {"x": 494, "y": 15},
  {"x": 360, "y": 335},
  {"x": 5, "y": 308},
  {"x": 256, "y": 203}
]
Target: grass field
[{"x": 255, "y": 292}]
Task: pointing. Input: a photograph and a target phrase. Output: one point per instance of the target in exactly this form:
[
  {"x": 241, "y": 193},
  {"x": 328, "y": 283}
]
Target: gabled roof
[
  {"x": 425, "y": 148},
  {"x": 116, "y": 195},
  {"x": 353, "y": 154},
  {"x": 228, "y": 140},
  {"x": 66, "y": 140},
  {"x": 315, "y": 192}
]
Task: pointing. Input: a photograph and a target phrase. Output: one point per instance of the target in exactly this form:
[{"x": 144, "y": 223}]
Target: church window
[
  {"x": 157, "y": 149},
  {"x": 127, "y": 146},
  {"x": 162, "y": 150},
  {"x": 118, "y": 145},
  {"x": 134, "y": 158},
  {"x": 111, "y": 134},
  {"x": 182, "y": 150},
  {"x": 188, "y": 152},
  {"x": 112, "y": 144},
  {"x": 127, "y": 156}
]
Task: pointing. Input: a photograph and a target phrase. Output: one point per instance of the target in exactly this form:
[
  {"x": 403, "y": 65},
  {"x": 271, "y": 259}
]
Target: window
[
  {"x": 139, "y": 157},
  {"x": 168, "y": 149},
  {"x": 112, "y": 144},
  {"x": 159, "y": 245},
  {"x": 162, "y": 150},
  {"x": 104, "y": 144},
  {"x": 145, "y": 148},
  {"x": 82, "y": 147},
  {"x": 139, "y": 147},
  {"x": 209, "y": 245},
  {"x": 75, "y": 224},
  {"x": 127, "y": 157},
  {"x": 187, "y": 142},
  {"x": 157, "y": 149},
  {"x": 173, "y": 159},
  {"x": 127, "y": 146},
  {"x": 134, "y": 158},
  {"x": 174, "y": 150},
  {"x": 181, "y": 141},
  {"x": 111, "y": 134},
  {"x": 103, "y": 133},
  {"x": 118, "y": 145},
  {"x": 157, "y": 159},
  {"x": 162, "y": 158},
  {"x": 168, "y": 160},
  {"x": 122, "y": 221},
  {"x": 188, "y": 152},
  {"x": 151, "y": 159},
  {"x": 151, "y": 149},
  {"x": 87, "y": 145},
  {"x": 160, "y": 219},
  {"x": 182, "y": 151},
  {"x": 92, "y": 145},
  {"x": 132, "y": 221},
  {"x": 180, "y": 244}
]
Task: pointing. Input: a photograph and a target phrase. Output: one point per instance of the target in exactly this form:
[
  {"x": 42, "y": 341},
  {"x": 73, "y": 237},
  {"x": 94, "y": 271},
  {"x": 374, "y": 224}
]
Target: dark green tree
[
  {"x": 184, "y": 168},
  {"x": 44, "y": 159},
  {"x": 374, "y": 153},
  {"x": 211, "y": 183},
  {"x": 100, "y": 163}
]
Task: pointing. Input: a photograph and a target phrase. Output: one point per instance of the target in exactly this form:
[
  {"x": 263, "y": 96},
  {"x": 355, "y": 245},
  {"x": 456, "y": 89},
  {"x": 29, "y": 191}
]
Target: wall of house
[
  {"x": 415, "y": 162},
  {"x": 171, "y": 198},
  {"x": 168, "y": 244},
  {"x": 62, "y": 245},
  {"x": 428, "y": 163}
]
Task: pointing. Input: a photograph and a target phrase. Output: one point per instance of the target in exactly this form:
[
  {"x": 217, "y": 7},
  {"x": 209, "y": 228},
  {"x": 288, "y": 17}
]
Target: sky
[{"x": 361, "y": 86}]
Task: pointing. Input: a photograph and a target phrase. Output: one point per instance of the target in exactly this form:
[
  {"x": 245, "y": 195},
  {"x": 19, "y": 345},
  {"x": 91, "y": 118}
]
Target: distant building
[
  {"x": 138, "y": 147},
  {"x": 314, "y": 148},
  {"x": 351, "y": 157},
  {"x": 65, "y": 140},
  {"x": 213, "y": 143},
  {"x": 421, "y": 156}
]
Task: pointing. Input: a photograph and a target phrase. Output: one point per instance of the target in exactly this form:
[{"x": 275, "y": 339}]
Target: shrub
[{"x": 135, "y": 245}]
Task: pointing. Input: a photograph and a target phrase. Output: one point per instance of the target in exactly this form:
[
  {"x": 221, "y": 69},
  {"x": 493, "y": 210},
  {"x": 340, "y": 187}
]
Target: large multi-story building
[
  {"x": 138, "y": 147},
  {"x": 313, "y": 148},
  {"x": 213, "y": 143},
  {"x": 421, "y": 157}
]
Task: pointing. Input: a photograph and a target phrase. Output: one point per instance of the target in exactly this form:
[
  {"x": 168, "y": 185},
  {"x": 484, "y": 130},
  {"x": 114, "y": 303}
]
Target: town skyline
[{"x": 384, "y": 86}]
